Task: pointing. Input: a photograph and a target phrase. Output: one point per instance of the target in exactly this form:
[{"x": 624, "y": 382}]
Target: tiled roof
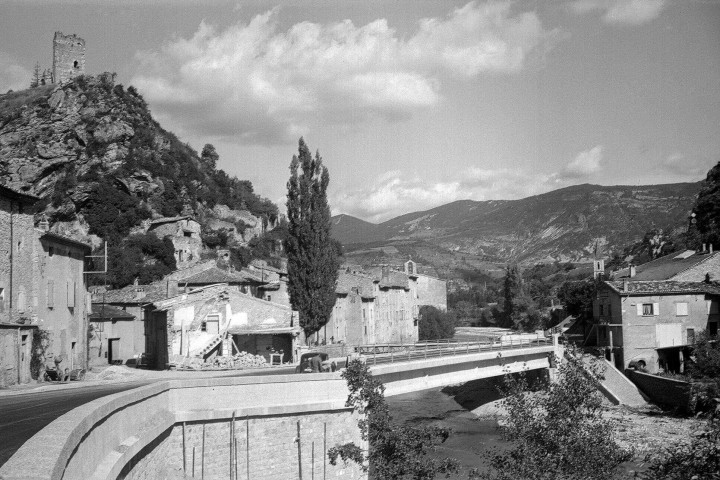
[
  {"x": 216, "y": 275},
  {"x": 159, "y": 221},
  {"x": 56, "y": 237},
  {"x": 665, "y": 287},
  {"x": 347, "y": 281},
  {"x": 136, "y": 294},
  {"x": 108, "y": 312},
  {"x": 394, "y": 280},
  {"x": 669, "y": 266}
]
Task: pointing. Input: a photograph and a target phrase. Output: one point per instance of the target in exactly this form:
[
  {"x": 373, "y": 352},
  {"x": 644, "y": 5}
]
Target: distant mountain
[{"x": 565, "y": 225}]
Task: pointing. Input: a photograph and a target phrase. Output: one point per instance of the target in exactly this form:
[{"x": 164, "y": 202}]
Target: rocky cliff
[{"x": 92, "y": 151}]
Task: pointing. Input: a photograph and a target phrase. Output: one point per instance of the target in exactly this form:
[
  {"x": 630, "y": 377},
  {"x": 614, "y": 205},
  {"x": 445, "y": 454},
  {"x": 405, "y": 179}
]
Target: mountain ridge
[{"x": 566, "y": 224}]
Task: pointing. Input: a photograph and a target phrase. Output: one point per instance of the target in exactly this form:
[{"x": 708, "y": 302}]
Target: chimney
[
  {"x": 633, "y": 272},
  {"x": 704, "y": 247},
  {"x": 172, "y": 288},
  {"x": 626, "y": 282},
  {"x": 44, "y": 224}
]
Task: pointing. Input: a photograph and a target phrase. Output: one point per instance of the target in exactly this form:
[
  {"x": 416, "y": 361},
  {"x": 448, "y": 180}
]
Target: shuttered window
[
  {"x": 51, "y": 293},
  {"x": 681, "y": 309},
  {"x": 71, "y": 294},
  {"x": 648, "y": 309}
]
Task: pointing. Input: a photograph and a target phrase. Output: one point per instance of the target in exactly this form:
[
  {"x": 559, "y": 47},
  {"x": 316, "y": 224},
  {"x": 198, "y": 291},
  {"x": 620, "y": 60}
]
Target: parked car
[{"x": 306, "y": 363}]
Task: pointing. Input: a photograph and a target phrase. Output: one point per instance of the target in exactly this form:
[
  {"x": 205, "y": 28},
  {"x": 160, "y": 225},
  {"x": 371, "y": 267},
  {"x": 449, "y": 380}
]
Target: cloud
[
  {"x": 622, "y": 12},
  {"x": 393, "y": 194},
  {"x": 12, "y": 75},
  {"x": 256, "y": 83},
  {"x": 683, "y": 168},
  {"x": 584, "y": 164}
]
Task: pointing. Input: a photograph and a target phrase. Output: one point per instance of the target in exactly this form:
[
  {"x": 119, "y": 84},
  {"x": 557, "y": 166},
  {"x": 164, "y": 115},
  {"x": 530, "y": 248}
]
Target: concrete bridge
[{"x": 264, "y": 427}]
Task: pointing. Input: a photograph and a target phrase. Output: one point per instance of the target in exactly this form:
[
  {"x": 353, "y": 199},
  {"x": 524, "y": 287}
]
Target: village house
[
  {"x": 274, "y": 287},
  {"x": 42, "y": 289},
  {"x": 653, "y": 324},
  {"x": 219, "y": 320},
  {"x": 184, "y": 232}
]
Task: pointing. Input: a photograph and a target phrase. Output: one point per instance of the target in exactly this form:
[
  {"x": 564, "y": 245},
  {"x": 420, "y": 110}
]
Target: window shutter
[
  {"x": 71, "y": 294},
  {"x": 639, "y": 309},
  {"x": 51, "y": 293},
  {"x": 21, "y": 302},
  {"x": 656, "y": 309}
]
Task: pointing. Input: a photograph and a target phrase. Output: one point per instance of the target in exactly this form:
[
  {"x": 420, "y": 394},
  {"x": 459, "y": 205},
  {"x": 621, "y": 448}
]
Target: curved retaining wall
[{"x": 152, "y": 430}]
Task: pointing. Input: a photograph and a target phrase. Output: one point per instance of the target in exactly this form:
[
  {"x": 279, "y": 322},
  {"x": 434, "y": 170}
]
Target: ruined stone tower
[{"x": 68, "y": 57}]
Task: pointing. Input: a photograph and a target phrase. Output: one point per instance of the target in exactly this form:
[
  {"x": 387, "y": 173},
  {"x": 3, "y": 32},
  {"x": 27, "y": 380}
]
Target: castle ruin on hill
[{"x": 68, "y": 57}]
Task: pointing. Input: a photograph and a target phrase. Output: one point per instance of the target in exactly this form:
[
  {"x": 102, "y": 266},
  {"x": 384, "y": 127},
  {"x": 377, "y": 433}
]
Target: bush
[
  {"x": 558, "y": 431},
  {"x": 435, "y": 324},
  {"x": 394, "y": 451}
]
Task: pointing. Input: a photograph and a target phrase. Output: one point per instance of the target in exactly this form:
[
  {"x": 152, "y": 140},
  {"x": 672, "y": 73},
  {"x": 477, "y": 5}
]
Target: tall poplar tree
[{"x": 312, "y": 257}]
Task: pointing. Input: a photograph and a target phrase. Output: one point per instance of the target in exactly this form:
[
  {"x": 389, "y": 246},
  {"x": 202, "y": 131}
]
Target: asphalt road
[{"x": 23, "y": 415}]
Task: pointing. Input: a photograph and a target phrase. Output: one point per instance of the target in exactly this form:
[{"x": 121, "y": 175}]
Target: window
[
  {"x": 691, "y": 336},
  {"x": 21, "y": 302},
  {"x": 2, "y": 299},
  {"x": 50, "y": 293},
  {"x": 203, "y": 327},
  {"x": 648, "y": 309},
  {"x": 681, "y": 309},
  {"x": 51, "y": 251},
  {"x": 601, "y": 309},
  {"x": 188, "y": 234}
]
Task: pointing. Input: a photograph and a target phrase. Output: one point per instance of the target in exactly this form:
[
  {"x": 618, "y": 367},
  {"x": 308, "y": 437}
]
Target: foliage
[
  {"x": 435, "y": 324},
  {"x": 312, "y": 259},
  {"x": 40, "y": 343},
  {"x": 557, "y": 431},
  {"x": 706, "y": 356},
  {"x": 520, "y": 309},
  {"x": 707, "y": 207},
  {"x": 697, "y": 459},
  {"x": 209, "y": 156},
  {"x": 577, "y": 297},
  {"x": 215, "y": 238},
  {"x": 394, "y": 451},
  {"x": 512, "y": 286},
  {"x": 144, "y": 257},
  {"x": 111, "y": 212}
]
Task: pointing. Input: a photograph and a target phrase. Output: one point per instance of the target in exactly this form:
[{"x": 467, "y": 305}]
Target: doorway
[{"x": 114, "y": 351}]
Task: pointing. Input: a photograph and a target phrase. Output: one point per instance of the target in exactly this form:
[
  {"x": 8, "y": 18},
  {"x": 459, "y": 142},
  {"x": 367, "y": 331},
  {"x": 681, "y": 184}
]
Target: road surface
[{"x": 24, "y": 415}]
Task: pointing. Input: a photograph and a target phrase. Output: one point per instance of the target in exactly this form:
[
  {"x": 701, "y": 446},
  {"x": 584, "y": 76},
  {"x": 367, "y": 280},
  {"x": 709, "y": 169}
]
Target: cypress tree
[{"x": 312, "y": 257}]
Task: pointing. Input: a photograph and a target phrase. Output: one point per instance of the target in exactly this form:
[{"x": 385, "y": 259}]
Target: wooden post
[
  {"x": 299, "y": 452},
  {"x": 202, "y": 456},
  {"x": 247, "y": 446},
  {"x": 230, "y": 446},
  {"x": 183, "y": 447},
  {"x": 324, "y": 450}
]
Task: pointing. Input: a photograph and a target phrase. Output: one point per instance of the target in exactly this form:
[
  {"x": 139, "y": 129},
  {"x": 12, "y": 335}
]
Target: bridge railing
[{"x": 398, "y": 352}]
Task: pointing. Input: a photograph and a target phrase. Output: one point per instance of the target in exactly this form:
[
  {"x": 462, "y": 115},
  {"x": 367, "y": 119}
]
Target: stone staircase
[{"x": 617, "y": 387}]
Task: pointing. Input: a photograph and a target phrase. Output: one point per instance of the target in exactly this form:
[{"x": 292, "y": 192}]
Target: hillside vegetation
[{"x": 102, "y": 165}]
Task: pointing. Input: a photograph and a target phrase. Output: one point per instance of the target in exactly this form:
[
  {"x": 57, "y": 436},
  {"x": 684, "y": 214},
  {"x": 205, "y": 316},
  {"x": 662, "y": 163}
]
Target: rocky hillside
[
  {"x": 564, "y": 225},
  {"x": 92, "y": 151}
]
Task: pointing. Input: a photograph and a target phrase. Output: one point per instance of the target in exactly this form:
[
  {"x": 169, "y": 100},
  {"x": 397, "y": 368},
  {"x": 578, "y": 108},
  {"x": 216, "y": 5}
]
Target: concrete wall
[
  {"x": 664, "y": 391},
  {"x": 138, "y": 433}
]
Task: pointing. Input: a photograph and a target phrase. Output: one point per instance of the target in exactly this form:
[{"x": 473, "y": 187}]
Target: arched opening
[{"x": 75, "y": 64}]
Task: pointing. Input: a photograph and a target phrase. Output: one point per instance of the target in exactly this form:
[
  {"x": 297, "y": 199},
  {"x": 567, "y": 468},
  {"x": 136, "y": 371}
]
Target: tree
[
  {"x": 577, "y": 297},
  {"x": 558, "y": 431},
  {"x": 312, "y": 259},
  {"x": 36, "y": 76},
  {"x": 394, "y": 451},
  {"x": 435, "y": 323},
  {"x": 209, "y": 156},
  {"x": 511, "y": 288}
]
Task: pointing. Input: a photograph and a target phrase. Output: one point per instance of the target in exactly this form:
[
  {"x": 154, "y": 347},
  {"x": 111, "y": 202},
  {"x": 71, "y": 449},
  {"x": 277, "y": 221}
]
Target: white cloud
[
  {"x": 584, "y": 164},
  {"x": 622, "y": 12},
  {"x": 254, "y": 83},
  {"x": 12, "y": 75}
]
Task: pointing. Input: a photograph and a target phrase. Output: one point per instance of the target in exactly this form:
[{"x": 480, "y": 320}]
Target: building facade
[
  {"x": 653, "y": 323},
  {"x": 184, "y": 232}
]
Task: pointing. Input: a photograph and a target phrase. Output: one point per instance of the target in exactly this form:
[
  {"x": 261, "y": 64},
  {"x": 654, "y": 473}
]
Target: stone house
[
  {"x": 653, "y": 323},
  {"x": 219, "y": 320},
  {"x": 274, "y": 287},
  {"x": 184, "y": 232},
  {"x": 17, "y": 286},
  {"x": 42, "y": 288},
  {"x": 120, "y": 338}
]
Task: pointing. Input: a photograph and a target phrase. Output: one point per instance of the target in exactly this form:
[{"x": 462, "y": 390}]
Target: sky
[{"x": 412, "y": 104}]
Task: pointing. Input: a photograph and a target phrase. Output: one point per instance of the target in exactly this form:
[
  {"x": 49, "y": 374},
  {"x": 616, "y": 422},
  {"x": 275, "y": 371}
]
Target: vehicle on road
[{"x": 315, "y": 362}]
